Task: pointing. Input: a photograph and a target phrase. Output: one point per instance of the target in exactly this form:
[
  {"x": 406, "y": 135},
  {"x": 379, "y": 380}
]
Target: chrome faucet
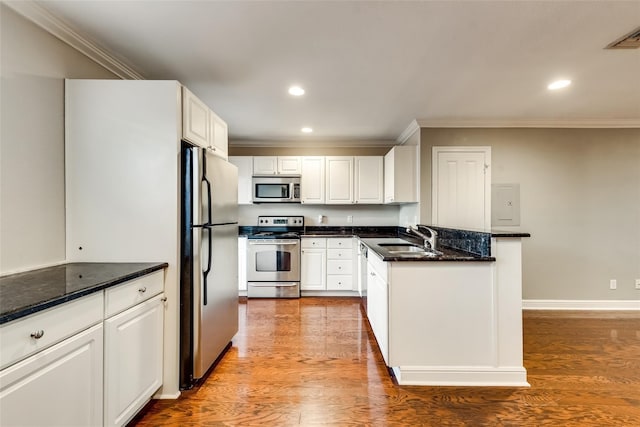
[{"x": 431, "y": 241}]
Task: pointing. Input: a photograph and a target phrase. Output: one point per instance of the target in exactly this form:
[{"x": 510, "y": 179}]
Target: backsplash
[{"x": 476, "y": 242}]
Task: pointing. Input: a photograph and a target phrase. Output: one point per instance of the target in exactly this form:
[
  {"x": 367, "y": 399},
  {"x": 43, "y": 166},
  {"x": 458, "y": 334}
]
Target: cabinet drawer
[
  {"x": 339, "y": 253},
  {"x": 128, "y": 294},
  {"x": 340, "y": 282},
  {"x": 335, "y": 266},
  {"x": 340, "y": 243},
  {"x": 313, "y": 242},
  {"x": 55, "y": 324}
]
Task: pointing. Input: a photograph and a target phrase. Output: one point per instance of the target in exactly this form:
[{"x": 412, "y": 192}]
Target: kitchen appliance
[
  {"x": 209, "y": 262},
  {"x": 273, "y": 259},
  {"x": 276, "y": 189}
]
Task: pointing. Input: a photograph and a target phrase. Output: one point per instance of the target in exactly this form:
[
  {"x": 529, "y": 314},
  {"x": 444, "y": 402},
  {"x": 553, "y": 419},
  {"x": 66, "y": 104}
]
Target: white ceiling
[{"x": 370, "y": 68}]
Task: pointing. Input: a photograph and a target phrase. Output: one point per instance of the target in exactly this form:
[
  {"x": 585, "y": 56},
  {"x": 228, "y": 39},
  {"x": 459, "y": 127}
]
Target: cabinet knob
[
  {"x": 37, "y": 334},
  {"x": 372, "y": 274},
  {"x": 142, "y": 290},
  {"x": 164, "y": 299}
]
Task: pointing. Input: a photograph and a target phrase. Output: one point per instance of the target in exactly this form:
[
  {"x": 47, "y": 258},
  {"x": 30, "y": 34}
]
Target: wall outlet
[
  {"x": 613, "y": 284},
  {"x": 638, "y": 284},
  {"x": 349, "y": 219}
]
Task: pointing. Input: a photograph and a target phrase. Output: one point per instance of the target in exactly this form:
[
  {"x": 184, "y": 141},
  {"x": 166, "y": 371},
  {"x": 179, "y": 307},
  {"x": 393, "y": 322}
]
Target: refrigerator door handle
[{"x": 205, "y": 273}]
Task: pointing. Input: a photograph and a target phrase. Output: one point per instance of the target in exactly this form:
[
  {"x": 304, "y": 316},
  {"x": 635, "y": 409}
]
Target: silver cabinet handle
[
  {"x": 142, "y": 290},
  {"x": 37, "y": 335}
]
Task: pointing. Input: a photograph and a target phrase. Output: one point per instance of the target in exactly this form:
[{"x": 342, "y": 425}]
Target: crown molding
[
  {"x": 56, "y": 27},
  {"x": 408, "y": 132},
  {"x": 575, "y": 124},
  {"x": 311, "y": 143}
]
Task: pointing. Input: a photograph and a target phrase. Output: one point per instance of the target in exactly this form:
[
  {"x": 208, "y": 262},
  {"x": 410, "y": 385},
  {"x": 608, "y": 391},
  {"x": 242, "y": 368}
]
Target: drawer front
[
  {"x": 339, "y": 254},
  {"x": 54, "y": 325},
  {"x": 313, "y": 242},
  {"x": 339, "y": 243},
  {"x": 335, "y": 266},
  {"x": 340, "y": 282},
  {"x": 128, "y": 294}
]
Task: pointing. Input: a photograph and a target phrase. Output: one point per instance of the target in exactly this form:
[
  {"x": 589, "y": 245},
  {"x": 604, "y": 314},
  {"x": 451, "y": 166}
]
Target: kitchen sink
[{"x": 408, "y": 250}]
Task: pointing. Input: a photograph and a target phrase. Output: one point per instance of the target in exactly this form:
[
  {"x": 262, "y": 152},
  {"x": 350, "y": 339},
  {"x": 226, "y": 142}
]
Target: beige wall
[
  {"x": 34, "y": 66},
  {"x": 580, "y": 200}
]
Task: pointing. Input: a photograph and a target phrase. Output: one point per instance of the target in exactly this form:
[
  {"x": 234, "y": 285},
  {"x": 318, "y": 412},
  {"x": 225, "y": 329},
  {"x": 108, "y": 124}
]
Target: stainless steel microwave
[{"x": 276, "y": 189}]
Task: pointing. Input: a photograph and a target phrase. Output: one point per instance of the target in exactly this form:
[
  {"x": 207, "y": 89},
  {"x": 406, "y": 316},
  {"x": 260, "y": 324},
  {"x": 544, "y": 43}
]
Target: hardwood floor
[{"x": 314, "y": 361}]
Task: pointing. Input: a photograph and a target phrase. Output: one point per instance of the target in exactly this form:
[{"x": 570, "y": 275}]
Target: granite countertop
[
  {"x": 448, "y": 254},
  {"x": 26, "y": 293}
]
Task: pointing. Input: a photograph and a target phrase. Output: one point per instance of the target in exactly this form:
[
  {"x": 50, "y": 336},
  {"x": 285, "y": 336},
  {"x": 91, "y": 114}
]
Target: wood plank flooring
[{"x": 314, "y": 362}]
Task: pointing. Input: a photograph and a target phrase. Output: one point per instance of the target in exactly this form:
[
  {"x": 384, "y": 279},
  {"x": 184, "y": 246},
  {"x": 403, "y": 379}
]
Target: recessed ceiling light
[
  {"x": 559, "y": 84},
  {"x": 296, "y": 91},
  {"x": 306, "y": 130}
]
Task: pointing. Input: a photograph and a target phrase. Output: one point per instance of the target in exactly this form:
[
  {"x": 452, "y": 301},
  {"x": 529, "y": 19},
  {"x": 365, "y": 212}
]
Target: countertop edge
[{"x": 38, "y": 307}]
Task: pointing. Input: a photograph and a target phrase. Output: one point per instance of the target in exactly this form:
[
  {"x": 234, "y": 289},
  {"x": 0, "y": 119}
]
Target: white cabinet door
[
  {"x": 378, "y": 310},
  {"x": 265, "y": 165},
  {"x": 289, "y": 165},
  {"x": 339, "y": 180},
  {"x": 245, "y": 171},
  {"x": 312, "y": 180},
  {"x": 219, "y": 136},
  {"x": 61, "y": 385},
  {"x": 369, "y": 179},
  {"x": 195, "y": 119},
  {"x": 133, "y": 360},
  {"x": 242, "y": 263},
  {"x": 400, "y": 179},
  {"x": 313, "y": 265}
]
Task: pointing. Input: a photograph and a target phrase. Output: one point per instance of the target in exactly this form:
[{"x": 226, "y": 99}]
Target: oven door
[{"x": 273, "y": 260}]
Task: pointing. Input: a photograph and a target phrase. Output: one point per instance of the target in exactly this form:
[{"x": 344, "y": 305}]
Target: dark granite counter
[
  {"x": 447, "y": 254},
  {"x": 502, "y": 233},
  {"x": 26, "y": 293}
]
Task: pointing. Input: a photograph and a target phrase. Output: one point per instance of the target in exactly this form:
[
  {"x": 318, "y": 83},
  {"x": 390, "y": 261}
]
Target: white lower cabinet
[
  {"x": 378, "y": 303},
  {"x": 61, "y": 385},
  {"x": 133, "y": 360},
  {"x": 93, "y": 361},
  {"x": 242, "y": 263},
  {"x": 313, "y": 264}
]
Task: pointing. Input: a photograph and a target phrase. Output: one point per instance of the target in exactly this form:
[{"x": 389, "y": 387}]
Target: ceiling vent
[{"x": 628, "y": 41}]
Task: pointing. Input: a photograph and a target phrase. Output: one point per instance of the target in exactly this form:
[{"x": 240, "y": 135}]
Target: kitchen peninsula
[{"x": 454, "y": 319}]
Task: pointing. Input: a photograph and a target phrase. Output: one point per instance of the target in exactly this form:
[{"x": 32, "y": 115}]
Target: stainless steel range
[{"x": 273, "y": 259}]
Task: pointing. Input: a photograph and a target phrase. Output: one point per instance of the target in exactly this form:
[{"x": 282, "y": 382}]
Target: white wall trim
[
  {"x": 299, "y": 142},
  {"x": 539, "y": 123},
  {"x": 408, "y": 132},
  {"x": 540, "y": 304},
  {"x": 58, "y": 28},
  {"x": 476, "y": 376}
]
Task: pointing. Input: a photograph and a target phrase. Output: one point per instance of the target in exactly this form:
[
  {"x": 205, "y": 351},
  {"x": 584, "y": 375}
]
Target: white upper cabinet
[
  {"x": 289, "y": 165},
  {"x": 219, "y": 139},
  {"x": 400, "y": 181},
  {"x": 201, "y": 126},
  {"x": 276, "y": 165},
  {"x": 368, "y": 182},
  {"x": 195, "y": 119},
  {"x": 312, "y": 180},
  {"x": 265, "y": 165},
  {"x": 339, "y": 180},
  {"x": 245, "y": 171}
]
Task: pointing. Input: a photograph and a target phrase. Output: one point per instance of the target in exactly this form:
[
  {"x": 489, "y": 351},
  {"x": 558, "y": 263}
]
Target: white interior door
[{"x": 462, "y": 187}]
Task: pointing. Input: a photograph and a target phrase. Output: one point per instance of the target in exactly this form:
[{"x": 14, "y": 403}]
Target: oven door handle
[
  {"x": 271, "y": 243},
  {"x": 272, "y": 285}
]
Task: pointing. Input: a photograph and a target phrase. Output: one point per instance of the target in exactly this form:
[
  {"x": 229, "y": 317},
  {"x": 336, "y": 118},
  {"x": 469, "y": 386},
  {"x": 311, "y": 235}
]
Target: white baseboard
[
  {"x": 476, "y": 376},
  {"x": 167, "y": 396},
  {"x": 546, "y": 304}
]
